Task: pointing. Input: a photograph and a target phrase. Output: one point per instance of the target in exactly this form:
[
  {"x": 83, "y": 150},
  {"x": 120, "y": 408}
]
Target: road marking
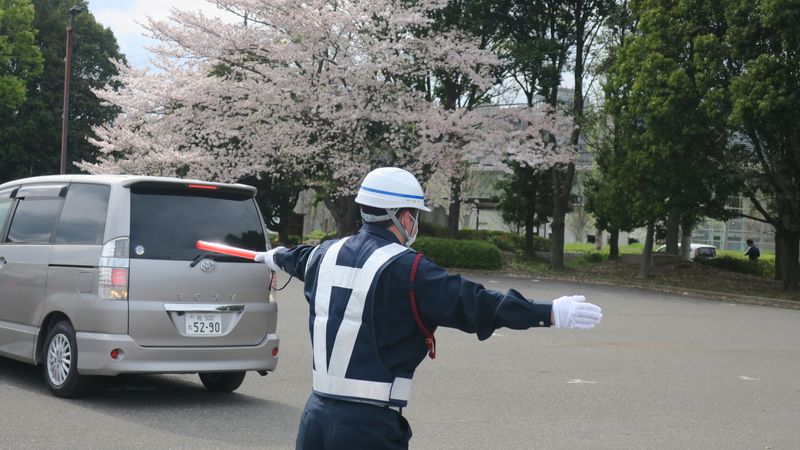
[
  {"x": 744, "y": 378},
  {"x": 496, "y": 334},
  {"x": 578, "y": 381}
]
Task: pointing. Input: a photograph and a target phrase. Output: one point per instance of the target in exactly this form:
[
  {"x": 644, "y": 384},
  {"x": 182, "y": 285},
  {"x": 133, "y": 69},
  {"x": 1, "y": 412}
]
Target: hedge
[
  {"x": 509, "y": 242},
  {"x": 764, "y": 268},
  {"x": 463, "y": 254}
]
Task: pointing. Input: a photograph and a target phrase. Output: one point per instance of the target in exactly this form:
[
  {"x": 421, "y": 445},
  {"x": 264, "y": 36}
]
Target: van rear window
[{"x": 166, "y": 223}]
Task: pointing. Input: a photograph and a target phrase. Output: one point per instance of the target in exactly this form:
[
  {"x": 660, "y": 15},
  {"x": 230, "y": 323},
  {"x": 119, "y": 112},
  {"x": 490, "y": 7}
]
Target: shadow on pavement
[{"x": 176, "y": 404}]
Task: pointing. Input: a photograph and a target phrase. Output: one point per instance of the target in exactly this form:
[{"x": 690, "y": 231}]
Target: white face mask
[{"x": 414, "y": 231}]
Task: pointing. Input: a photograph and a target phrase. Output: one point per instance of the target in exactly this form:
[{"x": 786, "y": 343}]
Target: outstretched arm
[{"x": 456, "y": 302}]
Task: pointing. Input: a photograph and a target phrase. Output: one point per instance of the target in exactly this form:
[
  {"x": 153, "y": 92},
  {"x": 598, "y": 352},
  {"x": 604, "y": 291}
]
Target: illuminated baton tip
[{"x": 226, "y": 250}]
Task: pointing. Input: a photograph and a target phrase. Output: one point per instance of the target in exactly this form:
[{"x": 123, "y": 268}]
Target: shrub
[
  {"x": 733, "y": 264},
  {"x": 291, "y": 240},
  {"x": 541, "y": 244},
  {"x": 508, "y": 242},
  {"x": 464, "y": 254},
  {"x": 478, "y": 235},
  {"x": 429, "y": 229},
  {"x": 319, "y": 236},
  {"x": 592, "y": 257}
]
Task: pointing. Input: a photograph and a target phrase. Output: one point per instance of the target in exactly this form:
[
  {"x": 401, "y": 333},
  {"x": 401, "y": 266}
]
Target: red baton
[{"x": 226, "y": 250}]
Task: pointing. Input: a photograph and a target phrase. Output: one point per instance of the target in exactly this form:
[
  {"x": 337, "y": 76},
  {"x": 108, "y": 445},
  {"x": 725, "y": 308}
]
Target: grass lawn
[
  {"x": 632, "y": 249},
  {"x": 636, "y": 249},
  {"x": 594, "y": 266},
  {"x": 740, "y": 255}
]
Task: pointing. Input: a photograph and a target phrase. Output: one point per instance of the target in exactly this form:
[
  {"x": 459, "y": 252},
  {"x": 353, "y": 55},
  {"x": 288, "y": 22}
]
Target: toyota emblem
[{"x": 207, "y": 265}]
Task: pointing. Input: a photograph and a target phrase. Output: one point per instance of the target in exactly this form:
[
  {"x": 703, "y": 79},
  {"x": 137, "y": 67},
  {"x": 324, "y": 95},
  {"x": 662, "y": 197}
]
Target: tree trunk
[
  {"x": 791, "y": 265},
  {"x": 530, "y": 210},
  {"x": 686, "y": 240},
  {"x": 283, "y": 231},
  {"x": 647, "y": 253},
  {"x": 613, "y": 243},
  {"x": 672, "y": 233},
  {"x": 454, "y": 217},
  {"x": 598, "y": 239},
  {"x": 562, "y": 186},
  {"x": 778, "y": 252},
  {"x": 343, "y": 209}
]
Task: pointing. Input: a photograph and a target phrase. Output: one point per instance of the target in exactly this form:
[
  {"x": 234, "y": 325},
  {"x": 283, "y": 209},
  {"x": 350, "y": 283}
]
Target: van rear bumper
[{"x": 94, "y": 356}]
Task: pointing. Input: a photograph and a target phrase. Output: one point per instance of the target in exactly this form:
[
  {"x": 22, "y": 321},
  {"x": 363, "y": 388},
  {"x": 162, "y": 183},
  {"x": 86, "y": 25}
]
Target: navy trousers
[{"x": 332, "y": 424}]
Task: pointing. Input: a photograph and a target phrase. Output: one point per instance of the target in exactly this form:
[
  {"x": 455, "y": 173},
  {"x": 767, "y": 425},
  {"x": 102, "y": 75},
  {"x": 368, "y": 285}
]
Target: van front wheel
[
  {"x": 61, "y": 362},
  {"x": 222, "y": 381}
]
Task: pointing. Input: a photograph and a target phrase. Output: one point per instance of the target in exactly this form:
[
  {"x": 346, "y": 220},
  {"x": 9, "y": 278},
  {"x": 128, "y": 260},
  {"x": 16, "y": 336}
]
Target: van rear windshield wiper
[
  {"x": 207, "y": 255},
  {"x": 215, "y": 256}
]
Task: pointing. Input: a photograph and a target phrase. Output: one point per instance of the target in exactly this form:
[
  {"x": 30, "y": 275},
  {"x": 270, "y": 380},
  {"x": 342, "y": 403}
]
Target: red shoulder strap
[{"x": 430, "y": 340}]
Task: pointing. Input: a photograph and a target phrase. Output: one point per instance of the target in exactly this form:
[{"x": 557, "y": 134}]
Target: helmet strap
[
  {"x": 408, "y": 240},
  {"x": 371, "y": 218}
]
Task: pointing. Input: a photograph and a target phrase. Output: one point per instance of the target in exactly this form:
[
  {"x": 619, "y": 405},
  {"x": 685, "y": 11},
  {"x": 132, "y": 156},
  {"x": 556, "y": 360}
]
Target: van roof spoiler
[{"x": 174, "y": 183}]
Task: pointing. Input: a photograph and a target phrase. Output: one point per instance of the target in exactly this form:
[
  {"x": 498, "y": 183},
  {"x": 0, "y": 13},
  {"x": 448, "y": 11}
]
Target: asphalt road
[{"x": 660, "y": 372}]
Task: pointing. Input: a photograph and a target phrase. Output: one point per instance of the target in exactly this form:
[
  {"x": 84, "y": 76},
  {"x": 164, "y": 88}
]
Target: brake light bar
[{"x": 203, "y": 186}]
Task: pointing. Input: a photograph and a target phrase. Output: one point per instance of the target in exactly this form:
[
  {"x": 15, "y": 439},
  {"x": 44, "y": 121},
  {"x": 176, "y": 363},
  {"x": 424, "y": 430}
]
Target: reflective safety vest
[{"x": 346, "y": 361}]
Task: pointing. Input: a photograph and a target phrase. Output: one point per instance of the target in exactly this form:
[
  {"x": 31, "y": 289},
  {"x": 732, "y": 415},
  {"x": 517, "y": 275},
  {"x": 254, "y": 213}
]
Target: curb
[{"x": 711, "y": 295}]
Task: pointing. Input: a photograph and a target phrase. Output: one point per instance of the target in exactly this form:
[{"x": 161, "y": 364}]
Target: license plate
[{"x": 203, "y": 324}]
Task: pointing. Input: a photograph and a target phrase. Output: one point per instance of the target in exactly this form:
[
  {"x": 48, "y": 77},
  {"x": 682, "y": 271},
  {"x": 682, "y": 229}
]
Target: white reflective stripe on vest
[
  {"x": 309, "y": 260},
  {"x": 362, "y": 389},
  {"x": 331, "y": 378}
]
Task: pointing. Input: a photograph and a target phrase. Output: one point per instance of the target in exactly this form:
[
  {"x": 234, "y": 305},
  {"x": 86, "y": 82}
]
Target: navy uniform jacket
[{"x": 442, "y": 300}]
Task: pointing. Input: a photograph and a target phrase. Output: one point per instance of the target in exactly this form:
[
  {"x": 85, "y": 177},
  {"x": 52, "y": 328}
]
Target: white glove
[
  {"x": 573, "y": 312},
  {"x": 268, "y": 258}
]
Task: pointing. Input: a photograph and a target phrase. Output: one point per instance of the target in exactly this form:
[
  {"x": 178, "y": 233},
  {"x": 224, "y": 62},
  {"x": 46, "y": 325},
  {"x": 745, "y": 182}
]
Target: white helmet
[{"x": 391, "y": 188}]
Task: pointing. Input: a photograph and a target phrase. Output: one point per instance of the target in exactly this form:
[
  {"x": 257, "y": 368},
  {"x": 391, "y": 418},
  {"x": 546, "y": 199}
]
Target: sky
[{"x": 125, "y": 17}]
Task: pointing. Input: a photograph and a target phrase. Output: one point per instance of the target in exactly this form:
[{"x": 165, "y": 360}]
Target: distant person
[{"x": 753, "y": 253}]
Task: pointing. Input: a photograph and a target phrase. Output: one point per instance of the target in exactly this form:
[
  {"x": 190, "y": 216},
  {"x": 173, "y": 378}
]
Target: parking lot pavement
[{"x": 660, "y": 372}]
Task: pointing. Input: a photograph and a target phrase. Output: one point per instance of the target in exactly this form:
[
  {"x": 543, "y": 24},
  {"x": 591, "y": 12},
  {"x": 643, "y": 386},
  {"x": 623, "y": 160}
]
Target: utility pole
[{"x": 74, "y": 11}]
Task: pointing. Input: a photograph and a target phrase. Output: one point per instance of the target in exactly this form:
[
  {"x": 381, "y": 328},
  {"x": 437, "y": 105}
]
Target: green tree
[
  {"x": 535, "y": 38},
  {"x": 525, "y": 199},
  {"x": 677, "y": 157},
  {"x": 765, "y": 93},
  {"x": 31, "y": 138},
  {"x": 584, "y": 18},
  {"x": 20, "y": 58},
  {"x": 606, "y": 190},
  {"x": 536, "y": 35}
]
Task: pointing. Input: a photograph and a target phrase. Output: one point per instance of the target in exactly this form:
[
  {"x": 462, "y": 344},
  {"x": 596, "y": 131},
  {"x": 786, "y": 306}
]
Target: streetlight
[{"x": 74, "y": 11}]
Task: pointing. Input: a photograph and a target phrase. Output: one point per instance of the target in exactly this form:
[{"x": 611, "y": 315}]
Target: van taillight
[
  {"x": 119, "y": 278},
  {"x": 113, "y": 267}
]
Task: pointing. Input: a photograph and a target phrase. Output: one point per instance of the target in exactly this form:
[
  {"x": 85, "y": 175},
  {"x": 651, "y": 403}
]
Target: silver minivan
[{"x": 99, "y": 275}]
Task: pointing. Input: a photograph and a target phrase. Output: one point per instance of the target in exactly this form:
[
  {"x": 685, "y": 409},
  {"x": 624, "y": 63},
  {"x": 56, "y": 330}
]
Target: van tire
[
  {"x": 60, "y": 362},
  {"x": 222, "y": 381}
]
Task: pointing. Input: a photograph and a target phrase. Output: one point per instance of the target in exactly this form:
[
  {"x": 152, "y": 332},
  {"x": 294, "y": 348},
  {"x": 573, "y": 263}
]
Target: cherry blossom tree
[
  {"x": 317, "y": 92},
  {"x": 500, "y": 139}
]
